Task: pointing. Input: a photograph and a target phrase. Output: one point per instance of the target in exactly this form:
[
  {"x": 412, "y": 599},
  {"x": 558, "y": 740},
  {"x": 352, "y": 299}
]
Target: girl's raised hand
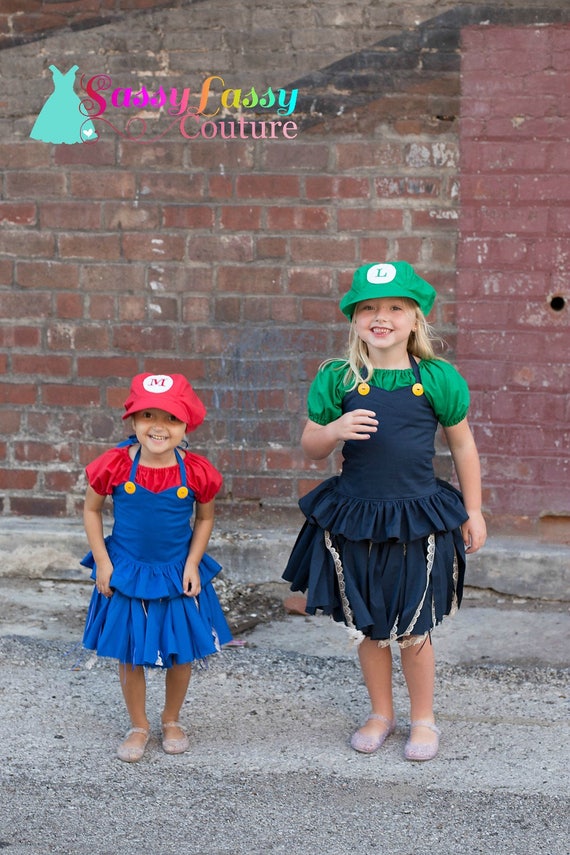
[{"x": 357, "y": 424}]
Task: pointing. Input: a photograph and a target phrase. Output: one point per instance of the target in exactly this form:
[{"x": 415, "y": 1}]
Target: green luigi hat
[{"x": 391, "y": 279}]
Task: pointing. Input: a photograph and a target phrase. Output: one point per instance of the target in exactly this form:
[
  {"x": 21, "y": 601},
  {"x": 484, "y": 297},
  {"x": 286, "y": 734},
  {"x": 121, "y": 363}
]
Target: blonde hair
[{"x": 357, "y": 360}]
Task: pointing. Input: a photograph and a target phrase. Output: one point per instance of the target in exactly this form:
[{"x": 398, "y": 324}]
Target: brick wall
[
  {"x": 513, "y": 294},
  {"x": 224, "y": 260}
]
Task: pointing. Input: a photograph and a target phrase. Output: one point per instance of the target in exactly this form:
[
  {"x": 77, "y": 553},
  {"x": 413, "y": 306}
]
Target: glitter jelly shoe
[
  {"x": 422, "y": 750},
  {"x": 174, "y": 745},
  {"x": 133, "y": 753},
  {"x": 369, "y": 744}
]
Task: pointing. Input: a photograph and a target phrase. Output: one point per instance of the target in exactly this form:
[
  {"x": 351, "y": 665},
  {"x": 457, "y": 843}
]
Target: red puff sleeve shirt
[{"x": 113, "y": 468}]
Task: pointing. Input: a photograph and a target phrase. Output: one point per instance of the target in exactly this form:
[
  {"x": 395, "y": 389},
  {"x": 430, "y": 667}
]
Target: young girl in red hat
[
  {"x": 383, "y": 546},
  {"x": 153, "y": 604}
]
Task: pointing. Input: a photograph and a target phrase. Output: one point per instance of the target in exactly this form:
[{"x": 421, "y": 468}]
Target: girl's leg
[
  {"x": 177, "y": 681},
  {"x": 418, "y": 665},
  {"x": 133, "y": 685},
  {"x": 376, "y": 665}
]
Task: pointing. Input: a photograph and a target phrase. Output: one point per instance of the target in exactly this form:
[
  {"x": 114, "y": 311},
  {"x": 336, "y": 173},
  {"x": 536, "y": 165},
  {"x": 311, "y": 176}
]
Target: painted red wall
[{"x": 513, "y": 292}]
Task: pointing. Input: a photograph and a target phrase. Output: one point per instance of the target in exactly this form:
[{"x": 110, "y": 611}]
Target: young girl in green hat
[{"x": 383, "y": 546}]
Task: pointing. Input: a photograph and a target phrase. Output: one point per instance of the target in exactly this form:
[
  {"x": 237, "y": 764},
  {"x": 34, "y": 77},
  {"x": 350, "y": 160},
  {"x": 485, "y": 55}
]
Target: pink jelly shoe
[
  {"x": 369, "y": 744},
  {"x": 422, "y": 750},
  {"x": 133, "y": 753},
  {"x": 174, "y": 745}
]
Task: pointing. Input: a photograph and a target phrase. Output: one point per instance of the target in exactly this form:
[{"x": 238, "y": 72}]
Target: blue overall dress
[
  {"x": 149, "y": 621},
  {"x": 381, "y": 549}
]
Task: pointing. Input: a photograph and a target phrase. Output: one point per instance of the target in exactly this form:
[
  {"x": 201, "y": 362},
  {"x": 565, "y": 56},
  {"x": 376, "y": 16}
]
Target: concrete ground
[{"x": 270, "y": 769}]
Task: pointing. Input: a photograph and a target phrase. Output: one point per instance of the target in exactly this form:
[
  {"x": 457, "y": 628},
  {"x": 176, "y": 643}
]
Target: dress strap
[
  {"x": 130, "y": 486},
  {"x": 179, "y": 460},
  {"x": 415, "y": 368}
]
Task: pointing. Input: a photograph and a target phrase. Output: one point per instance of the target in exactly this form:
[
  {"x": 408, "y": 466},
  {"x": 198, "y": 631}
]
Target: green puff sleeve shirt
[{"x": 444, "y": 388}]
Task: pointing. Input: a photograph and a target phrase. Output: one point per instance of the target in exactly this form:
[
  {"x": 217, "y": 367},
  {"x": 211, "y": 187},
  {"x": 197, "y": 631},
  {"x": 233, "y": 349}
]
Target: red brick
[
  {"x": 69, "y": 305},
  {"x": 70, "y": 395},
  {"x": 25, "y": 155},
  {"x": 103, "y": 307},
  {"x": 60, "y": 482},
  {"x": 222, "y": 248},
  {"x": 267, "y": 186},
  {"x": 339, "y": 249},
  {"x": 358, "y": 155},
  {"x": 219, "y": 187},
  {"x": 98, "y": 184},
  {"x": 25, "y": 243},
  {"x": 270, "y": 247},
  {"x": 289, "y": 218},
  {"x": 18, "y": 214},
  {"x": 161, "y": 155},
  {"x": 284, "y": 309},
  {"x": 101, "y": 153},
  {"x": 18, "y": 479},
  {"x": 287, "y": 155},
  {"x": 376, "y": 249},
  {"x": 6, "y": 272},
  {"x": 234, "y": 460},
  {"x": 178, "y": 186},
  {"x": 132, "y": 308},
  {"x": 43, "y": 365},
  {"x": 310, "y": 281},
  {"x": 104, "y": 277},
  {"x": 128, "y": 216},
  {"x": 195, "y": 309},
  {"x": 208, "y": 154},
  {"x": 227, "y": 309},
  {"x": 49, "y": 275},
  {"x": 188, "y": 217},
  {"x": 10, "y": 422},
  {"x": 18, "y": 393},
  {"x": 20, "y": 336},
  {"x": 325, "y": 187},
  {"x": 99, "y": 247},
  {"x": 34, "y": 506},
  {"x": 35, "y": 185},
  {"x": 70, "y": 215},
  {"x": 143, "y": 338},
  {"x": 241, "y": 217},
  {"x": 151, "y": 247},
  {"x": 370, "y": 219},
  {"x": 213, "y": 341},
  {"x": 106, "y": 366},
  {"x": 42, "y": 452},
  {"x": 249, "y": 280},
  {"x": 260, "y": 487}
]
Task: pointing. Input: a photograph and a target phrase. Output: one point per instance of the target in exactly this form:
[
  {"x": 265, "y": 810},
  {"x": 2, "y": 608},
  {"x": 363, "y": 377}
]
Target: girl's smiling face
[
  {"x": 385, "y": 325},
  {"x": 158, "y": 433}
]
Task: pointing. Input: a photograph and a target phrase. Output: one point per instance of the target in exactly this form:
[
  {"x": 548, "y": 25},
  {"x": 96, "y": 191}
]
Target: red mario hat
[{"x": 169, "y": 392}]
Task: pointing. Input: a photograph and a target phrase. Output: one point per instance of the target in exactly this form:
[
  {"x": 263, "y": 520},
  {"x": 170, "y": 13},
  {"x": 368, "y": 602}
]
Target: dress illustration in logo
[{"x": 60, "y": 119}]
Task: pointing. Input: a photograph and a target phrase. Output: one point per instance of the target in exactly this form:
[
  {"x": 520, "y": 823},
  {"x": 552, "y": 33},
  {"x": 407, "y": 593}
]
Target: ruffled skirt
[
  {"x": 390, "y": 569},
  {"x": 149, "y": 621}
]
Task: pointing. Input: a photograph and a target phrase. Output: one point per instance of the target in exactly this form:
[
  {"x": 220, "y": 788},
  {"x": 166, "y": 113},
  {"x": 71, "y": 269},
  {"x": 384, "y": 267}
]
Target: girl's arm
[
  {"x": 466, "y": 459},
  {"x": 93, "y": 523},
  {"x": 203, "y": 525},
  {"x": 318, "y": 441}
]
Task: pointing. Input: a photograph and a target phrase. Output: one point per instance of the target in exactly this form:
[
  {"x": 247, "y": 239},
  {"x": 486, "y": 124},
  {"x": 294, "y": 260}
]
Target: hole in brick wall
[{"x": 557, "y": 303}]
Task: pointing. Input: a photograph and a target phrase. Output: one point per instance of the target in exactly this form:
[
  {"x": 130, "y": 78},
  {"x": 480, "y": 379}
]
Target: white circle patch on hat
[
  {"x": 157, "y": 383},
  {"x": 381, "y": 274}
]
